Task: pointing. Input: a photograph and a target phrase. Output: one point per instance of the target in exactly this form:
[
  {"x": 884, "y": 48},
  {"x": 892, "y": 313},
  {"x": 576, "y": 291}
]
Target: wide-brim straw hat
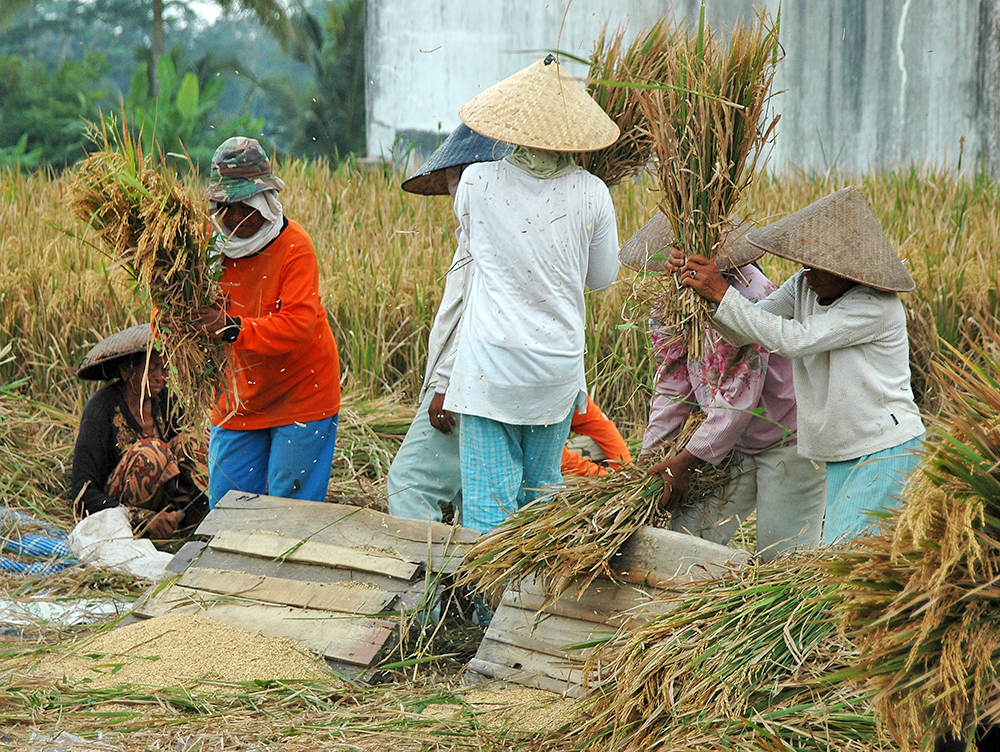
[
  {"x": 541, "y": 107},
  {"x": 647, "y": 250},
  {"x": 839, "y": 234},
  {"x": 462, "y": 147},
  {"x": 101, "y": 363}
]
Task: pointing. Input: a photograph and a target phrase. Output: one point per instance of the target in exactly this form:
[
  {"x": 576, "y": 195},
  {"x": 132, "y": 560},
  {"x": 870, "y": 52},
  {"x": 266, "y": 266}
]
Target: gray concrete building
[{"x": 864, "y": 83}]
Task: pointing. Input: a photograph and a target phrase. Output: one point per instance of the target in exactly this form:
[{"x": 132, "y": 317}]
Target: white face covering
[{"x": 231, "y": 246}]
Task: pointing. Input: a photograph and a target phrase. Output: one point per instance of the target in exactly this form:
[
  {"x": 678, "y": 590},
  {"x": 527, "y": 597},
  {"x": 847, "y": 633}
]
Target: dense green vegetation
[{"x": 295, "y": 81}]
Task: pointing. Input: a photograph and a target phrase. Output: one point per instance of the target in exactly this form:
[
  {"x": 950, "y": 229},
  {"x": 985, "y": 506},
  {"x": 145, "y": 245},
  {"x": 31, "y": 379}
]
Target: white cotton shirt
[
  {"x": 442, "y": 344},
  {"x": 536, "y": 243},
  {"x": 850, "y": 366}
]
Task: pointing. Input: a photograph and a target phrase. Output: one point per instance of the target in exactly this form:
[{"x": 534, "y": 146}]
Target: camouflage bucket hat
[{"x": 241, "y": 169}]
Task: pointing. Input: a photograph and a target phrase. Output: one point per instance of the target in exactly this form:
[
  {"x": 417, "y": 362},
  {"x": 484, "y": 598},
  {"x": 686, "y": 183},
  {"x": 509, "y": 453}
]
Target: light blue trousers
[
  {"x": 868, "y": 483},
  {"x": 505, "y": 466},
  {"x": 425, "y": 472},
  {"x": 291, "y": 461}
]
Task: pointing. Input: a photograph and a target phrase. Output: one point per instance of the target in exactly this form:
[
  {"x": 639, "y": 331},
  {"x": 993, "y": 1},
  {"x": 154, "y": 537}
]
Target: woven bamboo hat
[
  {"x": 541, "y": 107},
  {"x": 101, "y": 363},
  {"x": 463, "y": 146},
  {"x": 646, "y": 251},
  {"x": 839, "y": 234}
]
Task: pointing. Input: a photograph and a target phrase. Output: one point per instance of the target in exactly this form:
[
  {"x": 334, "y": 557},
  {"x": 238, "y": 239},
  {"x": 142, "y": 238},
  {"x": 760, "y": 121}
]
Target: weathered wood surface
[
  {"x": 409, "y": 594},
  {"x": 341, "y": 597},
  {"x": 440, "y": 546},
  {"x": 270, "y": 545},
  {"x": 347, "y": 639},
  {"x": 535, "y": 640}
]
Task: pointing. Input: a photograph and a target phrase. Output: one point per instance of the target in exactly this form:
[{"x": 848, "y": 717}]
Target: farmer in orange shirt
[{"x": 275, "y": 432}]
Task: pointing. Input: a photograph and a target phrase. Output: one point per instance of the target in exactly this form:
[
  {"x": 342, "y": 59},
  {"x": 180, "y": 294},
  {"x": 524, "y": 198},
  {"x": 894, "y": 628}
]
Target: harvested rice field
[{"x": 876, "y": 647}]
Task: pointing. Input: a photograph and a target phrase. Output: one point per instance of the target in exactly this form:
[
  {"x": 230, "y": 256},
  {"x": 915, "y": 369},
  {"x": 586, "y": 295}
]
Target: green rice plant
[{"x": 709, "y": 126}]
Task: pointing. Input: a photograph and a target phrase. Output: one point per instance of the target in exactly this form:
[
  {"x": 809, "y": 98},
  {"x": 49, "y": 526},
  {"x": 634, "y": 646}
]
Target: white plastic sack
[{"x": 104, "y": 539}]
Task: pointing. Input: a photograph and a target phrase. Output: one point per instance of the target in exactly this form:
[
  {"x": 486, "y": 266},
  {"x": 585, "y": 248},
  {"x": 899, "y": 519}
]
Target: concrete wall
[{"x": 865, "y": 83}]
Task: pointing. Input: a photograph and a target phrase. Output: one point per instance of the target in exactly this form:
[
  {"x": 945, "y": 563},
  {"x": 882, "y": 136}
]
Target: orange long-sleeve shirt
[
  {"x": 598, "y": 426},
  {"x": 285, "y": 358}
]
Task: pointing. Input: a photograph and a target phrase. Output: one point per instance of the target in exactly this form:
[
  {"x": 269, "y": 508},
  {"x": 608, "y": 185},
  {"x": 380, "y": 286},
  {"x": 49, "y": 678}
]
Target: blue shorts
[{"x": 290, "y": 461}]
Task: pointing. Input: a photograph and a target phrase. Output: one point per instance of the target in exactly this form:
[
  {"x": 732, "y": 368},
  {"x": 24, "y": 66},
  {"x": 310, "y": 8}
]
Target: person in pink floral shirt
[{"x": 748, "y": 399}]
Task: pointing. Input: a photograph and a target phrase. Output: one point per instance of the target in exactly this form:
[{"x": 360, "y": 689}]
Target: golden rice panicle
[
  {"x": 920, "y": 600},
  {"x": 158, "y": 230},
  {"x": 616, "y": 76},
  {"x": 709, "y": 127},
  {"x": 572, "y": 535}
]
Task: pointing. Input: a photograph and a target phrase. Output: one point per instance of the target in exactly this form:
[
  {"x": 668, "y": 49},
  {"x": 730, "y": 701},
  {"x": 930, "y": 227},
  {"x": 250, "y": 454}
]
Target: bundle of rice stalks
[
  {"x": 157, "y": 230},
  {"x": 615, "y": 77},
  {"x": 709, "y": 127},
  {"x": 922, "y": 599},
  {"x": 739, "y": 662},
  {"x": 572, "y": 536}
]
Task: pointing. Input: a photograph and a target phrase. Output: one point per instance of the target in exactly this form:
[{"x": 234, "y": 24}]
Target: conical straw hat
[
  {"x": 101, "y": 363},
  {"x": 541, "y": 107},
  {"x": 646, "y": 251},
  {"x": 840, "y": 234},
  {"x": 463, "y": 146}
]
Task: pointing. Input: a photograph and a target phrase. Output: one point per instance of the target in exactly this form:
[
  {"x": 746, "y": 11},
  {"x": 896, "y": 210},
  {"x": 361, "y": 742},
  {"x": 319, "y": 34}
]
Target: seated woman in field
[
  {"x": 129, "y": 451},
  {"x": 843, "y": 325}
]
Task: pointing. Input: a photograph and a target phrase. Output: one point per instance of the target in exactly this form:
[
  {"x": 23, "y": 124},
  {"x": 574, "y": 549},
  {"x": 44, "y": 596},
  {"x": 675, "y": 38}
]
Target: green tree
[
  {"x": 42, "y": 114},
  {"x": 328, "y": 117},
  {"x": 270, "y": 14}
]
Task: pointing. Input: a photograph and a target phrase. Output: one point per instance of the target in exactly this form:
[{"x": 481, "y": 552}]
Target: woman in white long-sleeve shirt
[
  {"x": 540, "y": 229},
  {"x": 842, "y": 323}
]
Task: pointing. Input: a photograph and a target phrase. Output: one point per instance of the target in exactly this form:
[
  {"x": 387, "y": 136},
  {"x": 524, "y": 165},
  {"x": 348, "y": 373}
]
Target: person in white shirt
[
  {"x": 842, "y": 323},
  {"x": 540, "y": 229}
]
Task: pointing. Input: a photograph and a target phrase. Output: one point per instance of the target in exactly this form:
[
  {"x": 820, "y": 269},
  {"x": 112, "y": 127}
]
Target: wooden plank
[
  {"x": 480, "y": 671},
  {"x": 544, "y": 633},
  {"x": 656, "y": 557},
  {"x": 409, "y": 593},
  {"x": 345, "y": 598},
  {"x": 604, "y": 602},
  {"x": 530, "y": 662},
  {"x": 439, "y": 546},
  {"x": 185, "y": 555},
  {"x": 353, "y": 640},
  {"x": 275, "y": 546}
]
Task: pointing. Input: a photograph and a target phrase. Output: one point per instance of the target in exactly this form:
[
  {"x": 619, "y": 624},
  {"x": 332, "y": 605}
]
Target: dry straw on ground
[
  {"x": 709, "y": 127},
  {"x": 158, "y": 229},
  {"x": 572, "y": 536}
]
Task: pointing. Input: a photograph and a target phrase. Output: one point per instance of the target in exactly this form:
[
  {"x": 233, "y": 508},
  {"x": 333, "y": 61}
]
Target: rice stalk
[
  {"x": 739, "y": 662},
  {"x": 709, "y": 128},
  {"x": 572, "y": 535},
  {"x": 922, "y": 599},
  {"x": 616, "y": 75},
  {"x": 158, "y": 230}
]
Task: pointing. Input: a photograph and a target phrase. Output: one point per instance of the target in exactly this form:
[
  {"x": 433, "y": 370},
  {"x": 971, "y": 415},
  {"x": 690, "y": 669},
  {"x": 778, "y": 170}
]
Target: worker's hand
[
  {"x": 675, "y": 261},
  {"x": 676, "y": 472},
  {"x": 163, "y": 524},
  {"x": 704, "y": 277},
  {"x": 209, "y": 321},
  {"x": 443, "y": 420}
]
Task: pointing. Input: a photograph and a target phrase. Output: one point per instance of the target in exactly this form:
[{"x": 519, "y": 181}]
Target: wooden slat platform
[
  {"x": 537, "y": 641},
  {"x": 333, "y": 577}
]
